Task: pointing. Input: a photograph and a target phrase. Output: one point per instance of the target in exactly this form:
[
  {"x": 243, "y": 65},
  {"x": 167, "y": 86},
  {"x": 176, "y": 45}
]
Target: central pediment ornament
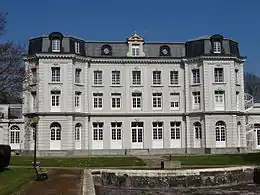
[{"x": 135, "y": 37}]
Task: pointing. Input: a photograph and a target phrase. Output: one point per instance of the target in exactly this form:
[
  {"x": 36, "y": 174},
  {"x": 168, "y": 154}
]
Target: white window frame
[
  {"x": 238, "y": 100},
  {"x": 98, "y": 77},
  {"x": 137, "y": 100},
  {"x": 220, "y": 129},
  {"x": 55, "y": 74},
  {"x": 157, "y": 101},
  {"x": 157, "y": 77},
  {"x": 174, "y": 77},
  {"x": 219, "y": 75},
  {"x": 196, "y": 99},
  {"x": 115, "y": 101},
  {"x": 116, "y": 131},
  {"x": 157, "y": 130},
  {"x": 116, "y": 77},
  {"x": 135, "y": 50},
  {"x": 55, "y": 132},
  {"x": 175, "y": 130},
  {"x": 78, "y": 73},
  {"x": 77, "y": 47},
  {"x": 197, "y": 130},
  {"x": 196, "y": 76},
  {"x": 77, "y": 133},
  {"x": 97, "y": 100},
  {"x": 98, "y": 131},
  {"x": 174, "y": 105},
  {"x": 34, "y": 100},
  {"x": 217, "y": 47},
  {"x": 136, "y": 77},
  {"x": 219, "y": 100},
  {"x": 137, "y": 132},
  {"x": 55, "y": 98},
  {"x": 14, "y": 135},
  {"x": 56, "y": 44},
  {"x": 77, "y": 102}
]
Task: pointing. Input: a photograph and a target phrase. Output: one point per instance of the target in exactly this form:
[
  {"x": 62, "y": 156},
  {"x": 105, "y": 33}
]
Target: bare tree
[{"x": 11, "y": 68}]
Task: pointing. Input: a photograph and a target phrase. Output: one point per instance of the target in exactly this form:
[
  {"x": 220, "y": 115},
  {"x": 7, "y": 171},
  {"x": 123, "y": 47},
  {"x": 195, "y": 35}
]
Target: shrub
[{"x": 5, "y": 156}]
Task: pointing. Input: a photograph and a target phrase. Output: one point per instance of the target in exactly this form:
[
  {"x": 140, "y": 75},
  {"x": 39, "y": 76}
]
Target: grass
[
  {"x": 224, "y": 159},
  {"x": 11, "y": 180},
  {"x": 77, "y": 162}
]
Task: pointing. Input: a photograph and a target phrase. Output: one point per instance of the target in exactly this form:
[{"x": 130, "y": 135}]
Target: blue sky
[{"x": 115, "y": 20}]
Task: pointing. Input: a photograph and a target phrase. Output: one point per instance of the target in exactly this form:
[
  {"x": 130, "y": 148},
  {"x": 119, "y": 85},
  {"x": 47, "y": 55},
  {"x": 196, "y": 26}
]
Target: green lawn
[
  {"x": 78, "y": 162},
  {"x": 13, "y": 179},
  {"x": 224, "y": 159}
]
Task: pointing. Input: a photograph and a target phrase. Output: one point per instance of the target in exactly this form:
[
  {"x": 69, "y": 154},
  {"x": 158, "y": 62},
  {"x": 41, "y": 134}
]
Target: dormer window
[
  {"x": 136, "y": 46},
  {"x": 56, "y": 45},
  {"x": 217, "y": 47},
  {"x": 77, "y": 48},
  {"x": 135, "y": 50}
]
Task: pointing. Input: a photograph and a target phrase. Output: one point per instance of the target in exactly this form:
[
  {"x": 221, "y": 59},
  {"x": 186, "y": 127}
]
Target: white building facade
[{"x": 135, "y": 97}]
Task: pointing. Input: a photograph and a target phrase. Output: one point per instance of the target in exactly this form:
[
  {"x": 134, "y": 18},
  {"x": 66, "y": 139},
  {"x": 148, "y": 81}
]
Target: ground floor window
[
  {"x": 137, "y": 132},
  {"x": 116, "y": 130},
  {"x": 197, "y": 129},
  {"x": 175, "y": 130},
  {"x": 220, "y": 131},
  {"x": 55, "y": 131},
  {"x": 78, "y": 128},
  {"x": 14, "y": 135},
  {"x": 157, "y": 130},
  {"x": 98, "y": 131}
]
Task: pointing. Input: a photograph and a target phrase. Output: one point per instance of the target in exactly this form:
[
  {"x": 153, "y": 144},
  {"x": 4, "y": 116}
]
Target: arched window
[
  {"x": 197, "y": 129},
  {"x": 14, "y": 134},
  {"x": 78, "y": 128},
  {"x": 55, "y": 45},
  {"x": 220, "y": 131},
  {"x": 55, "y": 131}
]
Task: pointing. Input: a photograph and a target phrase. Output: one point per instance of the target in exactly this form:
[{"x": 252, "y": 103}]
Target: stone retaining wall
[{"x": 174, "y": 178}]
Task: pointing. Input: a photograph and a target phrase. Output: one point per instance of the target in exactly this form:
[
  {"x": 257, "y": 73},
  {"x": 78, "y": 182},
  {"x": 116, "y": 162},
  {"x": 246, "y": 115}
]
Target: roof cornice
[{"x": 214, "y": 58}]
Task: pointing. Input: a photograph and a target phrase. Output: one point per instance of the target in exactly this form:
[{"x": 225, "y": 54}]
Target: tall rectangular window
[
  {"x": 116, "y": 130},
  {"x": 34, "y": 100},
  {"x": 115, "y": 77},
  {"x": 98, "y": 100},
  {"x": 157, "y": 130},
  {"x": 135, "y": 50},
  {"x": 175, "y": 130},
  {"x": 219, "y": 100},
  {"x": 136, "y": 76},
  {"x": 196, "y": 76},
  {"x": 236, "y": 76},
  {"x": 77, "y": 75},
  {"x": 77, "y": 99},
  {"x": 97, "y": 77},
  {"x": 55, "y": 98},
  {"x": 137, "y": 132},
  {"x": 55, "y": 74},
  {"x": 157, "y": 77},
  {"x": 157, "y": 100},
  {"x": 77, "y": 48},
  {"x": 216, "y": 47},
  {"x": 136, "y": 100},
  {"x": 174, "y": 77},
  {"x": 55, "y": 45},
  {"x": 219, "y": 75},
  {"x": 174, "y": 101},
  {"x": 98, "y": 131},
  {"x": 116, "y": 100},
  {"x": 196, "y": 100}
]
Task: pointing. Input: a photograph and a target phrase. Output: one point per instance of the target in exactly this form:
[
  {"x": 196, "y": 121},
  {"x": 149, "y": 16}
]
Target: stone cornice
[{"x": 215, "y": 58}]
